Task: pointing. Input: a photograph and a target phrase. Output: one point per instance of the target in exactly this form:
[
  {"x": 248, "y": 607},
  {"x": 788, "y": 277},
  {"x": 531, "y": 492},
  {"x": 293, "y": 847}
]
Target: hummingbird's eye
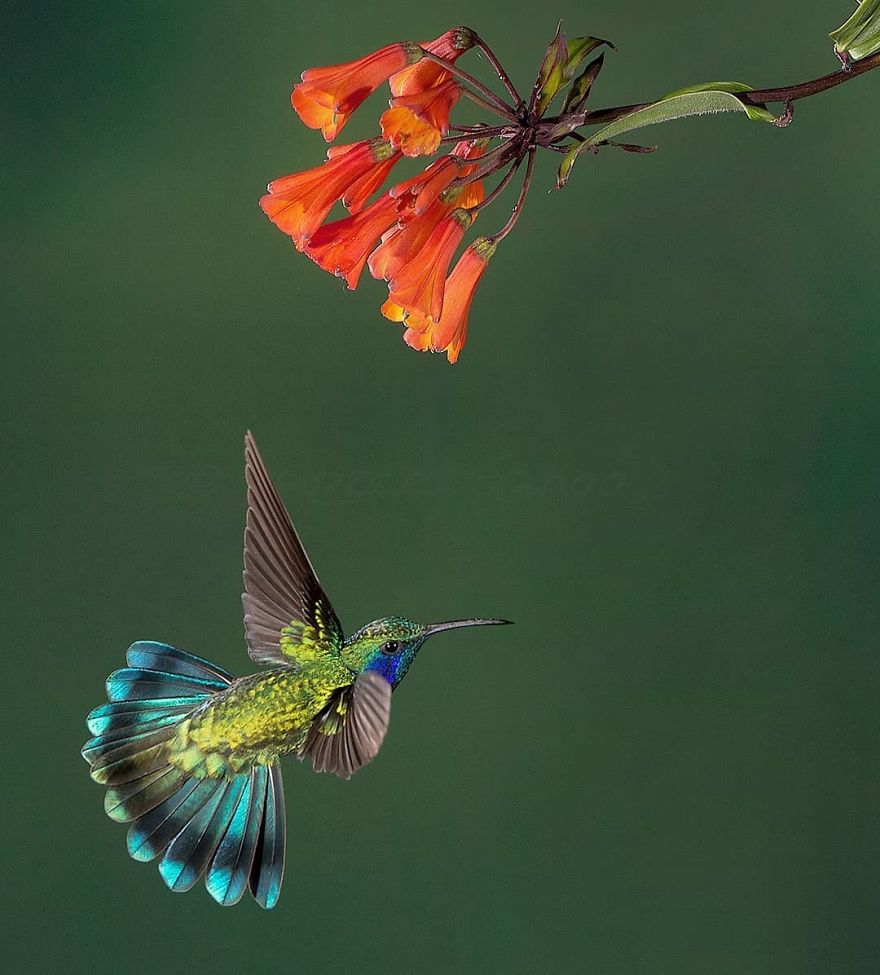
[{"x": 390, "y": 646}]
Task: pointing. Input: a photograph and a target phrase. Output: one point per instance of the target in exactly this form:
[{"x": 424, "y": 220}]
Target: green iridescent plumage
[{"x": 189, "y": 754}]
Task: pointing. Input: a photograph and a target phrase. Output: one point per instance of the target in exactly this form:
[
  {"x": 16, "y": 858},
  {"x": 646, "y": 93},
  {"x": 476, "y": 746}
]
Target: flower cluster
[{"x": 408, "y": 234}]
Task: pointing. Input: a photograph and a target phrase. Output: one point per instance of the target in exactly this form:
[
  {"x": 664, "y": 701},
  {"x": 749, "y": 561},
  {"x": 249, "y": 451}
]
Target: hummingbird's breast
[{"x": 257, "y": 719}]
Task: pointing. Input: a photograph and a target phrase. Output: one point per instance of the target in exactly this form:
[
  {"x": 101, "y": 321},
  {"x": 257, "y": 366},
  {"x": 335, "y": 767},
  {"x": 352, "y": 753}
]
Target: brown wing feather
[
  {"x": 280, "y": 584},
  {"x": 344, "y": 739}
]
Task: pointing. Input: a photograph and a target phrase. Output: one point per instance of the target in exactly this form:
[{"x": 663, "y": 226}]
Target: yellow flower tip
[
  {"x": 420, "y": 341},
  {"x": 392, "y": 311}
]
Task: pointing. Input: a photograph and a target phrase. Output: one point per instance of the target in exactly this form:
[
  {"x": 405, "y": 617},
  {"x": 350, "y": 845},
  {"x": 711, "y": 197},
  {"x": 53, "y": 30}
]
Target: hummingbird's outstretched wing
[
  {"x": 349, "y": 732},
  {"x": 287, "y": 615}
]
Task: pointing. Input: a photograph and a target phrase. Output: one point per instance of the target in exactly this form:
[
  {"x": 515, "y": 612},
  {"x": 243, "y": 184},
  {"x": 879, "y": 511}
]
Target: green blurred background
[{"x": 658, "y": 454}]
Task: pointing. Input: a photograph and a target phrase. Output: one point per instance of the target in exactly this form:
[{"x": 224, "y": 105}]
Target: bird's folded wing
[
  {"x": 288, "y": 618},
  {"x": 349, "y": 732}
]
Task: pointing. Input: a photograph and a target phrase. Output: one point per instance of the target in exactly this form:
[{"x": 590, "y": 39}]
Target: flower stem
[
  {"x": 493, "y": 160},
  {"x": 484, "y": 157},
  {"x": 472, "y": 132},
  {"x": 499, "y": 189},
  {"x": 483, "y": 103},
  {"x": 493, "y": 102},
  {"x": 517, "y": 207},
  {"x": 499, "y": 70},
  {"x": 759, "y": 96}
]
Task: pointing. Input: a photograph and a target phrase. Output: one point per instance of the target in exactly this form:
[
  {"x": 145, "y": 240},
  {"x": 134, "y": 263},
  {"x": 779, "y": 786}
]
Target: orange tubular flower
[
  {"x": 355, "y": 197},
  {"x": 440, "y": 168},
  {"x": 342, "y": 247},
  {"x": 450, "y": 332},
  {"x": 426, "y": 74},
  {"x": 471, "y": 194},
  {"x": 418, "y": 287},
  {"x": 438, "y": 182},
  {"x": 416, "y": 123},
  {"x": 428, "y": 185},
  {"x": 468, "y": 149},
  {"x": 298, "y": 204},
  {"x": 326, "y": 97},
  {"x": 401, "y": 245}
]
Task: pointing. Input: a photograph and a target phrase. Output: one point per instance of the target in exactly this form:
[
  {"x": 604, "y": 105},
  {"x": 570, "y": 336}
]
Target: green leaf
[
  {"x": 578, "y": 51},
  {"x": 560, "y": 64},
  {"x": 757, "y": 113},
  {"x": 859, "y": 37},
  {"x": 549, "y": 79},
  {"x": 716, "y": 96},
  {"x": 576, "y": 99}
]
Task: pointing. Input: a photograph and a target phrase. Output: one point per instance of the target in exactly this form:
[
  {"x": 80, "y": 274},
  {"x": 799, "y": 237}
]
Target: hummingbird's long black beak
[{"x": 455, "y": 624}]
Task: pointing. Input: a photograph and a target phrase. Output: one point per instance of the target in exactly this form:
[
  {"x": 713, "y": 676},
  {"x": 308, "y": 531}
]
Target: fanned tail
[{"x": 229, "y": 830}]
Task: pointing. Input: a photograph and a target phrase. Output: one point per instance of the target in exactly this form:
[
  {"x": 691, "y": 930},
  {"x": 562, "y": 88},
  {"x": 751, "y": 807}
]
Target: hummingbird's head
[{"x": 389, "y": 646}]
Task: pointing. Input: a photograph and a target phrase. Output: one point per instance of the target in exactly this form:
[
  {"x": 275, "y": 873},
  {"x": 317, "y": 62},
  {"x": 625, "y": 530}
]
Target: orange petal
[
  {"x": 327, "y": 96},
  {"x": 416, "y": 182},
  {"x": 403, "y": 244},
  {"x": 408, "y": 133},
  {"x": 317, "y": 116},
  {"x": 451, "y": 329},
  {"x": 417, "y": 340},
  {"x": 341, "y": 247},
  {"x": 419, "y": 285},
  {"x": 393, "y": 312},
  {"x": 426, "y": 74},
  {"x": 297, "y": 204},
  {"x": 356, "y": 196}
]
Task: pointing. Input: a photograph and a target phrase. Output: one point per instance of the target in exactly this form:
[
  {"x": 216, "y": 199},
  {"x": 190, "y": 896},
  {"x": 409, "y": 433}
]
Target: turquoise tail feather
[
  {"x": 268, "y": 868},
  {"x": 149, "y": 655},
  {"x": 99, "y": 744},
  {"x": 114, "y": 763},
  {"x": 153, "y": 832},
  {"x": 131, "y": 714},
  {"x": 189, "y": 854},
  {"x": 137, "y": 684},
  {"x": 128, "y": 801},
  {"x": 228, "y": 874},
  {"x": 231, "y": 831}
]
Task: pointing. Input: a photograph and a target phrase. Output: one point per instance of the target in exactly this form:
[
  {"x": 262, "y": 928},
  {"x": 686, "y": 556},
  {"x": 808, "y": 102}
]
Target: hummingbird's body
[
  {"x": 256, "y": 721},
  {"x": 268, "y": 714},
  {"x": 190, "y": 754}
]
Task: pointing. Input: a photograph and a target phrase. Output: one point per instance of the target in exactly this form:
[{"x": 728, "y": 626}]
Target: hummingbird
[{"x": 190, "y": 754}]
